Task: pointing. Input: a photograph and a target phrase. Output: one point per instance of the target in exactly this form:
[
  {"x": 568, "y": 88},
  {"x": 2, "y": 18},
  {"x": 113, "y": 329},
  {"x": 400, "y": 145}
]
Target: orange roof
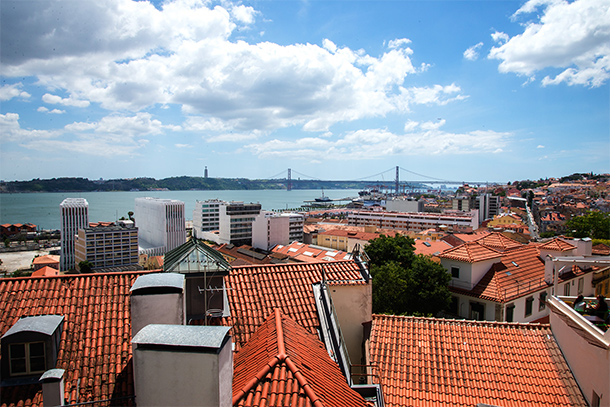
[
  {"x": 351, "y": 234},
  {"x": 45, "y": 271},
  {"x": 431, "y": 248},
  {"x": 498, "y": 241},
  {"x": 256, "y": 290},
  {"x": 310, "y": 253},
  {"x": 94, "y": 350},
  {"x": 47, "y": 259},
  {"x": 557, "y": 245},
  {"x": 439, "y": 362},
  {"x": 470, "y": 252},
  {"x": 283, "y": 363}
]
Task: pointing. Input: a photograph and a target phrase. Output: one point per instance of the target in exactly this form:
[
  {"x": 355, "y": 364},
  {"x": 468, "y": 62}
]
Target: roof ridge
[
  {"x": 309, "y": 263},
  {"x": 281, "y": 356},
  {"x": 468, "y": 321},
  {"x": 83, "y": 275}
]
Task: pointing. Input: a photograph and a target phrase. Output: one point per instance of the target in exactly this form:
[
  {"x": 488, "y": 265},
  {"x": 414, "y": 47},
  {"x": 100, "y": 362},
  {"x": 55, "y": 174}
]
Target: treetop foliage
[
  {"x": 594, "y": 224},
  {"x": 405, "y": 283}
]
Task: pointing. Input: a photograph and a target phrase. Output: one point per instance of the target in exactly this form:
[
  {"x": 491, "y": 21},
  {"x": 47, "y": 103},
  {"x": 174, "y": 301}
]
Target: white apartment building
[
  {"x": 206, "y": 217},
  {"x": 488, "y": 206},
  {"x": 459, "y": 222},
  {"x": 74, "y": 216},
  {"x": 161, "y": 225},
  {"x": 225, "y": 222},
  {"x": 270, "y": 229},
  {"x": 108, "y": 246}
]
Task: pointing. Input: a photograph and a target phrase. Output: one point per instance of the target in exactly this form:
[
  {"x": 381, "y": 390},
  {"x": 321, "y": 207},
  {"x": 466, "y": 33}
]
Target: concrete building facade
[
  {"x": 74, "y": 216},
  {"x": 225, "y": 222},
  {"x": 270, "y": 229},
  {"x": 112, "y": 246},
  {"x": 161, "y": 225},
  {"x": 459, "y": 222}
]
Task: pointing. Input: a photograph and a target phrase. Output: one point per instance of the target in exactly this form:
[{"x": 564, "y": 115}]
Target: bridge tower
[
  {"x": 289, "y": 183},
  {"x": 397, "y": 179}
]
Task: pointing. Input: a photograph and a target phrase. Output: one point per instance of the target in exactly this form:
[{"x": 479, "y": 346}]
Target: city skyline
[{"x": 452, "y": 89}]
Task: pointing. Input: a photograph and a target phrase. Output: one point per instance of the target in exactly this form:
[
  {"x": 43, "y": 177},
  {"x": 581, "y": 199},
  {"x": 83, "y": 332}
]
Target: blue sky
[{"x": 454, "y": 90}]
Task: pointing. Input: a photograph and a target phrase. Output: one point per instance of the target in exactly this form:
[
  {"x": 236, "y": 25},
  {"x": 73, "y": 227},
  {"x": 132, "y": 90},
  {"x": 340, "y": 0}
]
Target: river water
[{"x": 42, "y": 209}]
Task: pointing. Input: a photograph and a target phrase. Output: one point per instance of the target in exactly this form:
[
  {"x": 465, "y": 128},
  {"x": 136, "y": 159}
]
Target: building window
[
  {"x": 26, "y": 358},
  {"x": 581, "y": 285},
  {"x": 455, "y": 272},
  {"x": 542, "y": 301},
  {"x": 528, "y": 306},
  {"x": 566, "y": 289},
  {"x": 510, "y": 312}
]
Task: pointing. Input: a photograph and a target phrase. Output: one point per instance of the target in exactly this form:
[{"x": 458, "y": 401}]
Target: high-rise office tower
[
  {"x": 161, "y": 225},
  {"x": 74, "y": 216}
]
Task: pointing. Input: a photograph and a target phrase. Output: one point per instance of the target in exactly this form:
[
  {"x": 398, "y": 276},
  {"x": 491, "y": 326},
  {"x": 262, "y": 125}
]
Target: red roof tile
[
  {"x": 45, "y": 271},
  {"x": 557, "y": 245},
  {"x": 94, "y": 350},
  {"x": 46, "y": 259},
  {"x": 282, "y": 362},
  {"x": 470, "y": 252},
  {"x": 499, "y": 242},
  {"x": 439, "y": 362},
  {"x": 256, "y": 290}
]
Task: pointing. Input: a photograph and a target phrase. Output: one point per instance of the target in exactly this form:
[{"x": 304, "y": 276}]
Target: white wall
[
  {"x": 354, "y": 305},
  {"x": 589, "y": 363},
  {"x": 156, "y": 309}
]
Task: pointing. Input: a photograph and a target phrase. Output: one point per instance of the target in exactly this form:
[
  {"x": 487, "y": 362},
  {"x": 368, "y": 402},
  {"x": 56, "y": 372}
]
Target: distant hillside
[{"x": 172, "y": 184}]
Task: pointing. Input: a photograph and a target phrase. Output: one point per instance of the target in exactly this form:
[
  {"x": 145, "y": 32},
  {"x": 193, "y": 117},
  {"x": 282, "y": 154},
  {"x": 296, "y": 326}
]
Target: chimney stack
[
  {"x": 183, "y": 365},
  {"x": 53, "y": 387},
  {"x": 157, "y": 299}
]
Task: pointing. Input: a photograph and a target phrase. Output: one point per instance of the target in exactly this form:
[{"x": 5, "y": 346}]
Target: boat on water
[{"x": 323, "y": 198}]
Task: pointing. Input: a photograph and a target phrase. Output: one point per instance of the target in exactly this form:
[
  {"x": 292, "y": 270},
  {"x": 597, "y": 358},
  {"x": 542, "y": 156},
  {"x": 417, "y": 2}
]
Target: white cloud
[
  {"x": 380, "y": 143},
  {"x": 183, "y": 146},
  {"x": 8, "y": 92},
  {"x": 570, "y": 36},
  {"x": 410, "y": 126},
  {"x": 232, "y": 137},
  {"x": 399, "y": 42},
  {"x": 10, "y": 130},
  {"x": 540, "y": 146},
  {"x": 184, "y": 55},
  {"x": 500, "y": 37},
  {"x": 472, "y": 53},
  {"x": 70, "y": 101}
]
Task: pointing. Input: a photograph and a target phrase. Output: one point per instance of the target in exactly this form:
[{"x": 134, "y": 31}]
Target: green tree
[
  {"x": 594, "y": 224},
  {"x": 404, "y": 282},
  {"x": 85, "y": 266}
]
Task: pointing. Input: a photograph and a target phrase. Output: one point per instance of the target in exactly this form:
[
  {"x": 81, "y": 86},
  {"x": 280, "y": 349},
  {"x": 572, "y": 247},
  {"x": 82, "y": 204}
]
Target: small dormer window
[
  {"x": 30, "y": 346},
  {"x": 27, "y": 358}
]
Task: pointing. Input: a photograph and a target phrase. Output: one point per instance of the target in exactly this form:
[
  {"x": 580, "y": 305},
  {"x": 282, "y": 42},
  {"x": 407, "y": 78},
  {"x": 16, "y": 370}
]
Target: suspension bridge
[{"x": 394, "y": 183}]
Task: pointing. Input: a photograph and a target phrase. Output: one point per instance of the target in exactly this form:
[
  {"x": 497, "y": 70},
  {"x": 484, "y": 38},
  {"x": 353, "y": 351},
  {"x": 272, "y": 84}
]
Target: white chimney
[
  {"x": 548, "y": 270},
  {"x": 53, "y": 387},
  {"x": 584, "y": 247},
  {"x": 157, "y": 299},
  {"x": 183, "y": 365}
]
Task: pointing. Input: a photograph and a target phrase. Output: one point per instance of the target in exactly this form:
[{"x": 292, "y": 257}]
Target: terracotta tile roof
[
  {"x": 45, "y": 271},
  {"x": 519, "y": 272},
  {"x": 557, "y": 245},
  {"x": 498, "y": 241},
  {"x": 351, "y": 234},
  {"x": 94, "y": 349},
  {"x": 255, "y": 291},
  {"x": 431, "y": 248},
  {"x": 439, "y": 362},
  {"x": 283, "y": 364},
  {"x": 470, "y": 252},
  {"x": 600, "y": 249},
  {"x": 46, "y": 259},
  {"x": 310, "y": 253}
]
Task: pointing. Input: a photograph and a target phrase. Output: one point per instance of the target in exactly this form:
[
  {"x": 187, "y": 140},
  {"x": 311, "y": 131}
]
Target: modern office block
[
  {"x": 161, "y": 225},
  {"x": 270, "y": 229},
  {"x": 74, "y": 216},
  {"x": 108, "y": 246}
]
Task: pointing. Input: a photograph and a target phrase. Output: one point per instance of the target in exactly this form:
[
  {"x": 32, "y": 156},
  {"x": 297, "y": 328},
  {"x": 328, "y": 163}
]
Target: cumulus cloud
[
  {"x": 10, "y": 130},
  {"x": 8, "y": 92},
  {"x": 500, "y": 37},
  {"x": 472, "y": 53},
  {"x": 425, "y": 139},
  {"x": 43, "y": 109},
  {"x": 573, "y": 37},
  {"x": 185, "y": 54},
  {"x": 540, "y": 146},
  {"x": 70, "y": 101}
]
